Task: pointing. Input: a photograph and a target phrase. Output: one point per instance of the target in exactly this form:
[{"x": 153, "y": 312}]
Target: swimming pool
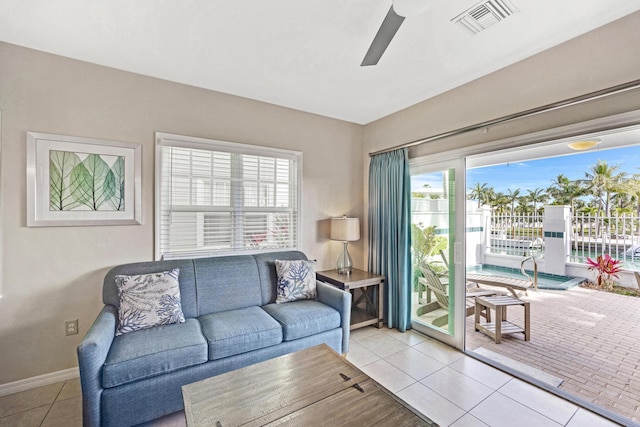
[{"x": 545, "y": 280}]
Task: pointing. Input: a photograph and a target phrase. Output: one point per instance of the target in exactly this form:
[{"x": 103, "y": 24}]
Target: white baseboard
[{"x": 39, "y": 381}]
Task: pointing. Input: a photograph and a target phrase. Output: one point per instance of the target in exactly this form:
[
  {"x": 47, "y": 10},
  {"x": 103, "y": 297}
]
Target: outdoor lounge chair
[
  {"x": 433, "y": 285},
  {"x": 444, "y": 258},
  {"x": 512, "y": 285}
]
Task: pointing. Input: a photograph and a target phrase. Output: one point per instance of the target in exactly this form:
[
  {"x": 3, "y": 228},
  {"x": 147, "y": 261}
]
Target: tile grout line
[
  {"x": 25, "y": 411},
  {"x": 46, "y": 415},
  {"x": 478, "y": 404},
  {"x": 572, "y": 417},
  {"x": 53, "y": 403},
  {"x": 534, "y": 410}
]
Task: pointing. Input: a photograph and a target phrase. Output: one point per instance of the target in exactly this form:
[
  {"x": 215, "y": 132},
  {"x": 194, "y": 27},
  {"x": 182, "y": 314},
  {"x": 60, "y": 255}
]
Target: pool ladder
[{"x": 535, "y": 270}]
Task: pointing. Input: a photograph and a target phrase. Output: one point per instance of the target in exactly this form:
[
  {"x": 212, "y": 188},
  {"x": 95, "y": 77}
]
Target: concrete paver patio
[{"x": 589, "y": 339}]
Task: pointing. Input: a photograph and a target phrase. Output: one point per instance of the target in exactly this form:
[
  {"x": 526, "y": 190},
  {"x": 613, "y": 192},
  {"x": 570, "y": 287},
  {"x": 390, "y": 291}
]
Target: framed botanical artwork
[{"x": 74, "y": 181}]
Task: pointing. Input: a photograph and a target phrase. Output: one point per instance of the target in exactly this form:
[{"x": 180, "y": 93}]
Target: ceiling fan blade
[{"x": 385, "y": 34}]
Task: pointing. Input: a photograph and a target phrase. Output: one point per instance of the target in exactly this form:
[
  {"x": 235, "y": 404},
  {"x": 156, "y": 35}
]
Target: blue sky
[{"x": 539, "y": 173}]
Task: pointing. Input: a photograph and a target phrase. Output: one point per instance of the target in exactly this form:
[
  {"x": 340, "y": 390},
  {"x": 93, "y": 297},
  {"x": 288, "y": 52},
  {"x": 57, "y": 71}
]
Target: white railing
[
  {"x": 617, "y": 235},
  {"x": 523, "y": 235},
  {"x": 590, "y": 236},
  {"x": 516, "y": 235}
]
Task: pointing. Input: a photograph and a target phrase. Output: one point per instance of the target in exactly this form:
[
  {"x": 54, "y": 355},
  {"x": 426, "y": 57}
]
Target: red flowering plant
[{"x": 606, "y": 268}]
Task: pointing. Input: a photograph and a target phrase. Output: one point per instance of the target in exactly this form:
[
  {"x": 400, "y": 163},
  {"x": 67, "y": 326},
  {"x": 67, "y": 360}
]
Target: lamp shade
[{"x": 345, "y": 229}]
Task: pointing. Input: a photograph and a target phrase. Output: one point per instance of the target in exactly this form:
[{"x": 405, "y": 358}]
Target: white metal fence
[
  {"x": 590, "y": 236},
  {"x": 516, "y": 234},
  {"x": 617, "y": 235}
]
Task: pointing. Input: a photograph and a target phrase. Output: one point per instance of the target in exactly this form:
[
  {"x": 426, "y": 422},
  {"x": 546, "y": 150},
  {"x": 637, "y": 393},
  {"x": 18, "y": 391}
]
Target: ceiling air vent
[{"x": 483, "y": 15}]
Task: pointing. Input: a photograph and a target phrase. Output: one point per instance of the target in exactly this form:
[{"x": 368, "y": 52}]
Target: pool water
[
  {"x": 579, "y": 257},
  {"x": 545, "y": 280}
]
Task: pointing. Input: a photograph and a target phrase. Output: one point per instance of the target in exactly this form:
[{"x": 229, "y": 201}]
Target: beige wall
[{"x": 53, "y": 274}]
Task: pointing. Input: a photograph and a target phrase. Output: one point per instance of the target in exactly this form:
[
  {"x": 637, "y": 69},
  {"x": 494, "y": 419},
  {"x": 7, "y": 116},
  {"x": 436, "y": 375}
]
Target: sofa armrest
[
  {"x": 92, "y": 353},
  {"x": 341, "y": 301}
]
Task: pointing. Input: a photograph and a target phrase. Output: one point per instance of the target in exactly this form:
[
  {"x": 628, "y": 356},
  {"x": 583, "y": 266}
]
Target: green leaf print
[
  {"x": 77, "y": 184},
  {"x": 117, "y": 201},
  {"x": 103, "y": 182},
  {"x": 81, "y": 185},
  {"x": 61, "y": 165}
]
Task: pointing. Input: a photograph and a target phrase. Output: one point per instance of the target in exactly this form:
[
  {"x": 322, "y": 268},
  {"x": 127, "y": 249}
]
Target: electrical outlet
[{"x": 71, "y": 327}]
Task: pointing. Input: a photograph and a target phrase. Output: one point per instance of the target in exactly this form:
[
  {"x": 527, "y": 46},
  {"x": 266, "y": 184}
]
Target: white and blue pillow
[
  {"x": 296, "y": 280},
  {"x": 148, "y": 300}
]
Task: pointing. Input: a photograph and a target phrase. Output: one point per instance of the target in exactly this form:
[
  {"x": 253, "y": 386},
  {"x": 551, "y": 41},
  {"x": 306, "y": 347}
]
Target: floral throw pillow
[
  {"x": 296, "y": 280},
  {"x": 148, "y": 300}
]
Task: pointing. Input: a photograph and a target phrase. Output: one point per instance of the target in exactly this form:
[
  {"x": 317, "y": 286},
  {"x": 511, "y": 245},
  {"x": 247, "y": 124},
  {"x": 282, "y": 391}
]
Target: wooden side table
[
  {"x": 501, "y": 326},
  {"x": 369, "y": 295}
]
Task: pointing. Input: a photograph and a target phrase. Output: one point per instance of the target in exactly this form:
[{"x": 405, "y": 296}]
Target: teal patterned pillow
[
  {"x": 296, "y": 280},
  {"x": 148, "y": 300}
]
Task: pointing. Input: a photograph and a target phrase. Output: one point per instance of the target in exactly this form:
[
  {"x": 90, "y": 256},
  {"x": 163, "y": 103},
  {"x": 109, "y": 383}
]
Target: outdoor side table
[
  {"x": 366, "y": 305},
  {"x": 501, "y": 326}
]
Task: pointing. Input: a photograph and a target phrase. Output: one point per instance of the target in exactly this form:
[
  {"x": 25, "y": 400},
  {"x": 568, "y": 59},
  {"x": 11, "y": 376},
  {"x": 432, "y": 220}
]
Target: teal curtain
[{"x": 390, "y": 233}]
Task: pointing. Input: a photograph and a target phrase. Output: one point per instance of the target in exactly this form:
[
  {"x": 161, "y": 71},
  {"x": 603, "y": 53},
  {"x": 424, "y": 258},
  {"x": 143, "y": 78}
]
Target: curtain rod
[{"x": 635, "y": 84}]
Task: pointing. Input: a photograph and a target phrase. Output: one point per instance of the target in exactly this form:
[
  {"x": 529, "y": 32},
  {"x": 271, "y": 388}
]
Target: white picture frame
[{"x": 74, "y": 181}]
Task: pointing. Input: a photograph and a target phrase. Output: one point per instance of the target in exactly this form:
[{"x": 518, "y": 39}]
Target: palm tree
[
  {"x": 498, "y": 202},
  {"x": 536, "y": 196},
  {"x": 480, "y": 192},
  {"x": 603, "y": 181},
  {"x": 632, "y": 188},
  {"x": 556, "y": 189},
  {"x": 513, "y": 196},
  {"x": 523, "y": 207},
  {"x": 565, "y": 191},
  {"x": 623, "y": 199}
]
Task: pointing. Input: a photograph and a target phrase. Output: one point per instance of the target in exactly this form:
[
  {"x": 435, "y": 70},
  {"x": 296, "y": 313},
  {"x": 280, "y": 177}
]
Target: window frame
[{"x": 188, "y": 142}]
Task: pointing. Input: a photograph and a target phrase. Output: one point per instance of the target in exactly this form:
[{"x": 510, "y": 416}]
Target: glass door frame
[
  {"x": 456, "y": 247},
  {"x": 625, "y": 120}
]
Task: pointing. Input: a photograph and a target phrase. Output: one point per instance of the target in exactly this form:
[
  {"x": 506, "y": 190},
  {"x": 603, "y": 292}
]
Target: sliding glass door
[{"x": 437, "y": 304}]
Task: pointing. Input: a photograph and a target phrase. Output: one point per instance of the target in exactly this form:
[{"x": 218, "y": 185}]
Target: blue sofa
[{"x": 231, "y": 322}]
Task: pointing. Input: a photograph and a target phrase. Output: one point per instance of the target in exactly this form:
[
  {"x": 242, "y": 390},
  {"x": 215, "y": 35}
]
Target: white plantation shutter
[{"x": 215, "y": 197}]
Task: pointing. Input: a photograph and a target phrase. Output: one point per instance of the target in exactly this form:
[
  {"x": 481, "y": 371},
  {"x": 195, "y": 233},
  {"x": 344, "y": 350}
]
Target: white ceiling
[{"x": 302, "y": 54}]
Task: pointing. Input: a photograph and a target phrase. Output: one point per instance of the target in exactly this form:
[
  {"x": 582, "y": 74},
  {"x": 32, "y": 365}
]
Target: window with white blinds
[{"x": 215, "y": 197}]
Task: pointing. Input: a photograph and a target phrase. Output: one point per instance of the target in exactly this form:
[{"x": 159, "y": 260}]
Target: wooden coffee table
[{"x": 309, "y": 387}]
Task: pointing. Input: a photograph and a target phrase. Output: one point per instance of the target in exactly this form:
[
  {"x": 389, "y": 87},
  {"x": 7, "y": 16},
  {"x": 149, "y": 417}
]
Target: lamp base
[{"x": 345, "y": 263}]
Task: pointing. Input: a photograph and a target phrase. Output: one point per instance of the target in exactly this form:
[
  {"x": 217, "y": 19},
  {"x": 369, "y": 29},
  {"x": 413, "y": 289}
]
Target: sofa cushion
[
  {"x": 238, "y": 331},
  {"x": 227, "y": 283},
  {"x": 303, "y": 318},
  {"x": 148, "y": 300},
  {"x": 154, "y": 351}
]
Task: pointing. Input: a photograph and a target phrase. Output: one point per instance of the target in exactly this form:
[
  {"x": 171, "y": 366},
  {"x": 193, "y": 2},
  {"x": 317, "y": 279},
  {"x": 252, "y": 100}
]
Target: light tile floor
[
  {"x": 456, "y": 390},
  {"x": 53, "y": 405},
  {"x": 437, "y": 380}
]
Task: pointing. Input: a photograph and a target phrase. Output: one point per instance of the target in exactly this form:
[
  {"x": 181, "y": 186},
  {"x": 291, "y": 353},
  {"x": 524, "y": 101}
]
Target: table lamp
[{"x": 345, "y": 230}]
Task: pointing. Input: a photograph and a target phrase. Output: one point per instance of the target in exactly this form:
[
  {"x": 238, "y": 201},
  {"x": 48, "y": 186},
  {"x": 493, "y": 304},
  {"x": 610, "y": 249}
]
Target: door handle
[{"x": 457, "y": 253}]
